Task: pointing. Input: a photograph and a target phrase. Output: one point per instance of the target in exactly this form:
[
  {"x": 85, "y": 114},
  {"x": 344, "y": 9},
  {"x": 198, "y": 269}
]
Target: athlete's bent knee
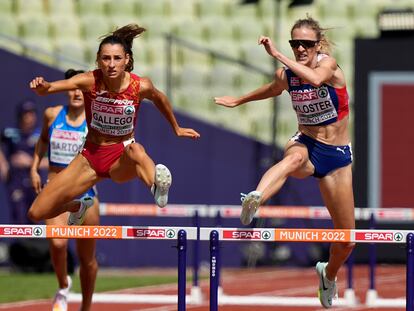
[
  {"x": 346, "y": 247},
  {"x": 89, "y": 264},
  {"x": 350, "y": 246},
  {"x": 33, "y": 215},
  {"x": 295, "y": 160},
  {"x": 59, "y": 244}
]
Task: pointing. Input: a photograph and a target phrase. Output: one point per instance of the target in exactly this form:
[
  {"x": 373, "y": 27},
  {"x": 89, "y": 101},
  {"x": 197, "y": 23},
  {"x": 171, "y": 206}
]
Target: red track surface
[{"x": 286, "y": 282}]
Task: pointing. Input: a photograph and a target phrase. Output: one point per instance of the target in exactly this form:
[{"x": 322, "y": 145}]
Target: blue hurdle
[{"x": 215, "y": 260}]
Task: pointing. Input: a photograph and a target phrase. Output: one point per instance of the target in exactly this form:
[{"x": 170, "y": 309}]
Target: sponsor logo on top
[
  {"x": 247, "y": 235},
  {"x": 68, "y": 135},
  {"x": 322, "y": 92},
  {"x": 304, "y": 95},
  {"x": 116, "y": 101},
  {"x": 129, "y": 110},
  {"x": 379, "y": 236}
]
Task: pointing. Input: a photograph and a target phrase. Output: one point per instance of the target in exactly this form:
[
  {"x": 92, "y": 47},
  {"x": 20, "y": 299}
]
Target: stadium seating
[
  {"x": 158, "y": 8},
  {"x": 65, "y": 28},
  {"x": 6, "y": 8},
  {"x": 61, "y": 8},
  {"x": 71, "y": 29},
  {"x": 123, "y": 9},
  {"x": 178, "y": 10},
  {"x": 30, "y": 7},
  {"x": 91, "y": 7},
  {"x": 70, "y": 51},
  {"x": 211, "y": 8}
]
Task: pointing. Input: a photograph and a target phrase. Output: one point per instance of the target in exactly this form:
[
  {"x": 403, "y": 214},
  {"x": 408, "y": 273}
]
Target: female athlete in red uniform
[
  {"x": 321, "y": 147},
  {"x": 112, "y": 98}
]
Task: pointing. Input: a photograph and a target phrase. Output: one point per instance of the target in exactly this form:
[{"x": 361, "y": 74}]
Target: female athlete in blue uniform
[
  {"x": 321, "y": 147},
  {"x": 63, "y": 134}
]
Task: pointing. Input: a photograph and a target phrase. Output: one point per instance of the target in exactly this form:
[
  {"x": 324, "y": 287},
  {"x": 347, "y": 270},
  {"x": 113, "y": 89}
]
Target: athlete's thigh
[
  {"x": 60, "y": 220},
  {"x": 307, "y": 168},
  {"x": 337, "y": 193},
  {"x": 125, "y": 168},
  {"x": 68, "y": 184}
]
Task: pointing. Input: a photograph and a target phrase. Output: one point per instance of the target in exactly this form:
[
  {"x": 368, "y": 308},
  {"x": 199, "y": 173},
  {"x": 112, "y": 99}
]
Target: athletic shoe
[
  {"x": 327, "y": 289},
  {"x": 78, "y": 217},
  {"x": 60, "y": 302},
  {"x": 250, "y": 204},
  {"x": 162, "y": 183}
]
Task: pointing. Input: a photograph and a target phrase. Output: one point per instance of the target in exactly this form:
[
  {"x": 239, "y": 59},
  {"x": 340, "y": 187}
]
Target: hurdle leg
[
  {"x": 349, "y": 295},
  {"x": 372, "y": 295},
  {"x": 219, "y": 223},
  {"x": 214, "y": 270},
  {"x": 196, "y": 294},
  {"x": 182, "y": 263},
  {"x": 410, "y": 271}
]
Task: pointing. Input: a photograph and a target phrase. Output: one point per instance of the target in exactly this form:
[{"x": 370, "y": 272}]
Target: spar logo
[
  {"x": 398, "y": 237},
  {"x": 246, "y": 235},
  {"x": 129, "y": 110},
  {"x": 147, "y": 233},
  {"x": 170, "y": 234},
  {"x": 266, "y": 235},
  {"x": 67, "y": 135},
  {"x": 37, "y": 231},
  {"x": 379, "y": 236},
  {"x": 151, "y": 233},
  {"x": 16, "y": 231},
  {"x": 322, "y": 93}
]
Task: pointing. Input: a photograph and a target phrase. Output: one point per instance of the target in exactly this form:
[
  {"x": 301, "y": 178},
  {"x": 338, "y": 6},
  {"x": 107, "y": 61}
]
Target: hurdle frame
[
  {"x": 178, "y": 234},
  {"x": 215, "y": 236},
  {"x": 286, "y": 212}
]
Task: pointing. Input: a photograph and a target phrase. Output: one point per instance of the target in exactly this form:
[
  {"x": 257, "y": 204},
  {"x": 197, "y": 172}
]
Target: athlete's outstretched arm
[
  {"x": 149, "y": 91},
  {"x": 81, "y": 81},
  {"x": 271, "y": 89}
]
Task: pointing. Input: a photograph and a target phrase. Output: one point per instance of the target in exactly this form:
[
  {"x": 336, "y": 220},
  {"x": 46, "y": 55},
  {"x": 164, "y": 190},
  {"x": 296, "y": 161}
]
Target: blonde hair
[{"x": 309, "y": 22}]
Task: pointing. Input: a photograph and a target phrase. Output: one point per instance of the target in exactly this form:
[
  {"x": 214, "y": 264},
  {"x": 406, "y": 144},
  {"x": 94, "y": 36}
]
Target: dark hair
[
  {"x": 72, "y": 72},
  {"x": 27, "y": 105},
  {"x": 123, "y": 36},
  {"x": 309, "y": 22}
]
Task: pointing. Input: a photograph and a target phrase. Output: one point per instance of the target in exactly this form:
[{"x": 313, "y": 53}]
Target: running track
[{"x": 289, "y": 282}]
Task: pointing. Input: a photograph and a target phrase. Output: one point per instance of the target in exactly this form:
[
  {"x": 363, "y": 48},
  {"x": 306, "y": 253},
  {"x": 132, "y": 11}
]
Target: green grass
[{"x": 27, "y": 286}]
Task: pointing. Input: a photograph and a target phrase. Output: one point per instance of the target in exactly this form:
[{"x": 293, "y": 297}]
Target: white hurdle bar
[{"x": 233, "y": 211}]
